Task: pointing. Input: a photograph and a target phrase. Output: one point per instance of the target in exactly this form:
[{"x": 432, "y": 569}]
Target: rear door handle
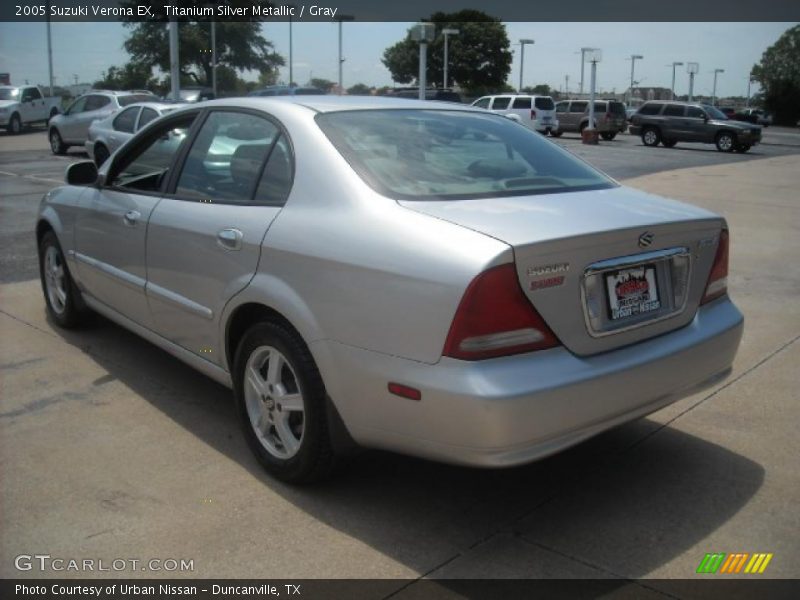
[
  {"x": 230, "y": 239},
  {"x": 131, "y": 217}
]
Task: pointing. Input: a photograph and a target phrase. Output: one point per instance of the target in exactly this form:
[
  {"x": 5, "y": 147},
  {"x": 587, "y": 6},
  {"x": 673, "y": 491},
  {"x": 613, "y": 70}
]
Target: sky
[{"x": 86, "y": 50}]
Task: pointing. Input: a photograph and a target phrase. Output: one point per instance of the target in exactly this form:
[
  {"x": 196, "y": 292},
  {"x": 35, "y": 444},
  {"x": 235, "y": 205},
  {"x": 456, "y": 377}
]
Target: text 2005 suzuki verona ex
[{"x": 413, "y": 276}]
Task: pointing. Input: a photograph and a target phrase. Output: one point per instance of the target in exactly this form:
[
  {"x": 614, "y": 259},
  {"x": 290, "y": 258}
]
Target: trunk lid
[{"x": 579, "y": 258}]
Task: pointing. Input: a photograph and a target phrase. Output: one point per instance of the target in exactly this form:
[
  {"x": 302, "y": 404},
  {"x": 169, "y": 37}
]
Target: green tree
[
  {"x": 323, "y": 84},
  {"x": 359, "y": 89},
  {"x": 778, "y": 73},
  {"x": 479, "y": 56},
  {"x": 131, "y": 76},
  {"x": 538, "y": 90},
  {"x": 240, "y": 45}
]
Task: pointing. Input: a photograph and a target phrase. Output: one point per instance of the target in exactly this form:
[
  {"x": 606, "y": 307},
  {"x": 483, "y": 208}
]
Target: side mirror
[{"x": 81, "y": 173}]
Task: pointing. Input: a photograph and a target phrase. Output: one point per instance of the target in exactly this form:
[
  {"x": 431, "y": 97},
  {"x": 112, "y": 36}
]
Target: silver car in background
[
  {"x": 107, "y": 135},
  {"x": 420, "y": 277},
  {"x": 72, "y": 126}
]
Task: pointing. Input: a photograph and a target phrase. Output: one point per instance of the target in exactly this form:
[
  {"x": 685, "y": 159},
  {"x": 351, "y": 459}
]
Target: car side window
[
  {"x": 227, "y": 158},
  {"x": 578, "y": 107},
  {"x": 501, "y": 103},
  {"x": 148, "y": 114},
  {"x": 562, "y": 107},
  {"x": 694, "y": 112},
  {"x": 31, "y": 94},
  {"x": 650, "y": 109},
  {"x": 483, "y": 103},
  {"x": 521, "y": 103},
  {"x": 78, "y": 106},
  {"x": 673, "y": 110},
  {"x": 125, "y": 120},
  {"x": 276, "y": 180},
  {"x": 147, "y": 164},
  {"x": 95, "y": 102}
]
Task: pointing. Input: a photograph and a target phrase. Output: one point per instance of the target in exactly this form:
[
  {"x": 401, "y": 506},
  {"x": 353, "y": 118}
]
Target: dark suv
[{"x": 671, "y": 122}]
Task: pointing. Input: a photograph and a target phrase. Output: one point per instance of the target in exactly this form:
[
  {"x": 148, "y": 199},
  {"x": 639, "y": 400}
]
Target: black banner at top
[{"x": 404, "y": 10}]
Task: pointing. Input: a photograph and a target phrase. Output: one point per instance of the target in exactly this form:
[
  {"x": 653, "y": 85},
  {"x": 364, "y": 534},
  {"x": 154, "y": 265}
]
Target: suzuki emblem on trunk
[{"x": 646, "y": 239}]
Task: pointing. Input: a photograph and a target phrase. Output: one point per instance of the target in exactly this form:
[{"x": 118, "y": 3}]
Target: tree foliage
[
  {"x": 131, "y": 76},
  {"x": 359, "y": 89},
  {"x": 479, "y": 56},
  {"x": 240, "y": 45},
  {"x": 322, "y": 84},
  {"x": 778, "y": 73}
]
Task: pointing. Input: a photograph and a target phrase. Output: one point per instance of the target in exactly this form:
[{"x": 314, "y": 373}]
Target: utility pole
[
  {"x": 423, "y": 33},
  {"x": 49, "y": 50},
  {"x": 522, "y": 59},
  {"x": 566, "y": 85},
  {"x": 583, "y": 60},
  {"x": 692, "y": 68},
  {"x": 214, "y": 57},
  {"x": 714, "y": 92},
  {"x": 674, "y": 64},
  {"x": 445, "y": 32},
  {"x": 341, "y": 58},
  {"x": 633, "y": 64},
  {"x": 174, "y": 63}
]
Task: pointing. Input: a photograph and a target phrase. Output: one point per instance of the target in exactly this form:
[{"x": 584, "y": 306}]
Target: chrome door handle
[
  {"x": 230, "y": 239},
  {"x": 131, "y": 217}
]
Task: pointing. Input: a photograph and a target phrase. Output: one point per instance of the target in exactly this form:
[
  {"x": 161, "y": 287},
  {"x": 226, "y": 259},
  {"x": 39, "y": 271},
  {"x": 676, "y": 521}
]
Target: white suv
[{"x": 535, "y": 112}]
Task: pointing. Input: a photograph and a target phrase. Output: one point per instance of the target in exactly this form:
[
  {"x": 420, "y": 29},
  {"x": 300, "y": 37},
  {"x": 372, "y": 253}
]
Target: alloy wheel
[{"x": 54, "y": 280}]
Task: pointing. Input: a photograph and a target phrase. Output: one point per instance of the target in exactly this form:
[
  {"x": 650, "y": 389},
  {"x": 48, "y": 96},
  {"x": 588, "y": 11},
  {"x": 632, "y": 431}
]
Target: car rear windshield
[
  {"x": 650, "y": 109},
  {"x": 133, "y": 98},
  {"x": 544, "y": 103},
  {"x": 616, "y": 108},
  {"x": 453, "y": 155}
]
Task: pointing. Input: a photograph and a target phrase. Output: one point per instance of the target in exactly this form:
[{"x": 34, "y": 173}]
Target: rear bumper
[
  {"x": 513, "y": 410},
  {"x": 541, "y": 126}
]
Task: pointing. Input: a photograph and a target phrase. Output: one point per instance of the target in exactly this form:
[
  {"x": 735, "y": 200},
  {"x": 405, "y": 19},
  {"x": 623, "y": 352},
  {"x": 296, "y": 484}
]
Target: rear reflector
[
  {"x": 405, "y": 391},
  {"x": 718, "y": 278},
  {"x": 495, "y": 318}
]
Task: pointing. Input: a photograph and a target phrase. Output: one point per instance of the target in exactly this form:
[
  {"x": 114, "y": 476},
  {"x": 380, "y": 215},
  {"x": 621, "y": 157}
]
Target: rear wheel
[
  {"x": 651, "y": 136},
  {"x": 742, "y": 148},
  {"x": 725, "y": 141},
  {"x": 282, "y": 403},
  {"x": 669, "y": 143},
  {"x": 608, "y": 136},
  {"x": 56, "y": 143},
  {"x": 101, "y": 154},
  {"x": 62, "y": 297},
  {"x": 556, "y": 132}
]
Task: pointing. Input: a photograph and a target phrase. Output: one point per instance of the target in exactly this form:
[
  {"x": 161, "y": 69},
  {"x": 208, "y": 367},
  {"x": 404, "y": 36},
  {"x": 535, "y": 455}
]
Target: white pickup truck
[{"x": 24, "y": 105}]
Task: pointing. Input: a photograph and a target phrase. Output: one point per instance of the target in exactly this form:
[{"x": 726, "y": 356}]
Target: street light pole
[
  {"x": 291, "y": 57},
  {"x": 522, "y": 43},
  {"x": 589, "y": 133},
  {"x": 49, "y": 50},
  {"x": 749, "y": 81},
  {"x": 674, "y": 64},
  {"x": 583, "y": 60},
  {"x": 714, "y": 92},
  {"x": 423, "y": 33},
  {"x": 633, "y": 64},
  {"x": 174, "y": 63},
  {"x": 214, "y": 57},
  {"x": 341, "y": 59},
  {"x": 692, "y": 68},
  {"x": 445, "y": 32}
]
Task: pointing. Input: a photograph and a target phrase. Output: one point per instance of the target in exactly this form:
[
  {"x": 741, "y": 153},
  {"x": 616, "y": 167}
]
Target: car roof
[
  {"x": 159, "y": 105},
  {"x": 324, "y": 104}
]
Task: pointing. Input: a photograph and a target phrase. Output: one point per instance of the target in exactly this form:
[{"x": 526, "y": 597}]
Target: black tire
[
  {"x": 556, "y": 132},
  {"x": 70, "y": 311},
  {"x": 651, "y": 136},
  {"x": 669, "y": 143},
  {"x": 726, "y": 141},
  {"x": 101, "y": 155},
  {"x": 14, "y": 124},
  {"x": 57, "y": 145},
  {"x": 608, "y": 136},
  {"x": 742, "y": 148},
  {"x": 313, "y": 460}
]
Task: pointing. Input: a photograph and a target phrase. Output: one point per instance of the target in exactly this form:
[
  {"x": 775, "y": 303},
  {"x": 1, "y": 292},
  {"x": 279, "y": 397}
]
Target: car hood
[
  {"x": 528, "y": 219},
  {"x": 733, "y": 124},
  {"x": 8, "y": 103}
]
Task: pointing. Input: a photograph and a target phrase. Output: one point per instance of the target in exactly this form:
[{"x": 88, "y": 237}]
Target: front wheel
[
  {"x": 62, "y": 297},
  {"x": 56, "y": 143},
  {"x": 725, "y": 141},
  {"x": 556, "y": 132},
  {"x": 608, "y": 136},
  {"x": 651, "y": 137},
  {"x": 282, "y": 404},
  {"x": 15, "y": 124}
]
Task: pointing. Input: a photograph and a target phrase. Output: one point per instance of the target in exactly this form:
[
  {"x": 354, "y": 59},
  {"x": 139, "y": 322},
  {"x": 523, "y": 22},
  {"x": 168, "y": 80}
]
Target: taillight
[
  {"x": 608, "y": 116},
  {"x": 495, "y": 318},
  {"x": 718, "y": 279},
  {"x": 533, "y": 115}
]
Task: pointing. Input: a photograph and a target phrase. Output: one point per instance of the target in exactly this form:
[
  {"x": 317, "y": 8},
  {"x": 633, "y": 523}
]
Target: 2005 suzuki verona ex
[{"x": 420, "y": 277}]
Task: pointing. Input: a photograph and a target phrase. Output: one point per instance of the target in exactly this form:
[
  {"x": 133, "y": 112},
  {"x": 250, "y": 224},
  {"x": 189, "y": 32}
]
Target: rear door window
[
  {"x": 95, "y": 102},
  {"x": 600, "y": 107},
  {"x": 126, "y": 120},
  {"x": 148, "y": 114},
  {"x": 521, "y": 102},
  {"x": 616, "y": 108},
  {"x": 501, "y": 103},
  {"x": 578, "y": 107},
  {"x": 673, "y": 110},
  {"x": 544, "y": 103},
  {"x": 694, "y": 112},
  {"x": 483, "y": 103},
  {"x": 562, "y": 107}
]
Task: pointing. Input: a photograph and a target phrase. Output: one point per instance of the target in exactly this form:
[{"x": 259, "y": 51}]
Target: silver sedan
[
  {"x": 108, "y": 134},
  {"x": 420, "y": 277}
]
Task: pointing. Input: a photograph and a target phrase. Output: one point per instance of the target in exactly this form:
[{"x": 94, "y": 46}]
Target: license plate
[{"x": 632, "y": 292}]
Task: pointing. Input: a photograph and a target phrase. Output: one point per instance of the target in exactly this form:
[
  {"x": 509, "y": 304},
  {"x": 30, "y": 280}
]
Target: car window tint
[
  {"x": 600, "y": 107},
  {"x": 95, "y": 102},
  {"x": 616, "y": 108},
  {"x": 695, "y": 113},
  {"x": 78, "y": 106},
  {"x": 544, "y": 103},
  {"x": 501, "y": 103},
  {"x": 651, "y": 108},
  {"x": 226, "y": 158},
  {"x": 31, "y": 94},
  {"x": 125, "y": 120},
  {"x": 276, "y": 180},
  {"x": 449, "y": 155},
  {"x": 562, "y": 107},
  {"x": 578, "y": 107},
  {"x": 148, "y": 114},
  {"x": 146, "y": 166},
  {"x": 673, "y": 110},
  {"x": 483, "y": 103},
  {"x": 521, "y": 103}
]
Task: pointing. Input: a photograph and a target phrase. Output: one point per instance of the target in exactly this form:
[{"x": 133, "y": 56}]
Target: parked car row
[
  {"x": 25, "y": 105},
  {"x": 750, "y": 115}
]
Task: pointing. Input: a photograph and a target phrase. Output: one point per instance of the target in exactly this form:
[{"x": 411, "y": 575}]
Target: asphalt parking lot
[{"x": 111, "y": 448}]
